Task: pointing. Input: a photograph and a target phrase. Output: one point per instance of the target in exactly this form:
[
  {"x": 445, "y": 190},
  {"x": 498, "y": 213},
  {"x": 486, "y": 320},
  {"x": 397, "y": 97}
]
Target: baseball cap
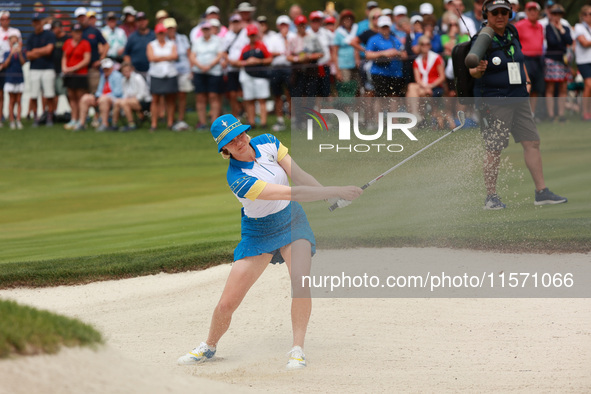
[
  {"x": 214, "y": 22},
  {"x": 514, "y": 2},
  {"x": 400, "y": 10},
  {"x": 159, "y": 28},
  {"x": 245, "y": 7},
  {"x": 415, "y": 18},
  {"x": 169, "y": 23},
  {"x": 107, "y": 63},
  {"x": 387, "y": 11},
  {"x": 235, "y": 18},
  {"x": 111, "y": 15},
  {"x": 346, "y": 13},
  {"x": 161, "y": 14},
  {"x": 80, "y": 11},
  {"x": 426, "y": 9},
  {"x": 262, "y": 19},
  {"x": 4, "y": 14},
  {"x": 494, "y": 4},
  {"x": 330, "y": 19},
  {"x": 140, "y": 15},
  {"x": 532, "y": 4},
  {"x": 447, "y": 1},
  {"x": 283, "y": 20},
  {"x": 300, "y": 20},
  {"x": 77, "y": 27},
  {"x": 225, "y": 128},
  {"x": 315, "y": 15},
  {"x": 37, "y": 16},
  {"x": 384, "y": 21},
  {"x": 91, "y": 13},
  {"x": 129, "y": 10},
  {"x": 206, "y": 25},
  {"x": 252, "y": 30},
  {"x": 371, "y": 4},
  {"x": 212, "y": 9}
]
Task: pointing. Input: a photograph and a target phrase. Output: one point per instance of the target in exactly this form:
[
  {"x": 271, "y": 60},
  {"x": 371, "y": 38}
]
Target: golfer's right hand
[{"x": 349, "y": 193}]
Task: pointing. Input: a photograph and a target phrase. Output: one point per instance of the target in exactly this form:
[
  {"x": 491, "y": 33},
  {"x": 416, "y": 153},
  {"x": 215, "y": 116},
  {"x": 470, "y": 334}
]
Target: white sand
[{"x": 353, "y": 345}]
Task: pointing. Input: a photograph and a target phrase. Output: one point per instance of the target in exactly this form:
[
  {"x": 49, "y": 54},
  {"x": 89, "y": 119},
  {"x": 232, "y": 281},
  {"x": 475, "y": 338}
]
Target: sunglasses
[{"x": 502, "y": 12}]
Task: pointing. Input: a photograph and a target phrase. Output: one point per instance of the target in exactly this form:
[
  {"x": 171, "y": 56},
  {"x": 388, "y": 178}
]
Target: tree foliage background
[{"x": 189, "y": 12}]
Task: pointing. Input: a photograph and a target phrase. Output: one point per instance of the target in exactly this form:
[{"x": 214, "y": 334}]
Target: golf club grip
[{"x": 333, "y": 206}]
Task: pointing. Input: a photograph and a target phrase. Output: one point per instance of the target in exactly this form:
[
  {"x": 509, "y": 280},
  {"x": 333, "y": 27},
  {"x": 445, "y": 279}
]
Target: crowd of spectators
[{"x": 127, "y": 68}]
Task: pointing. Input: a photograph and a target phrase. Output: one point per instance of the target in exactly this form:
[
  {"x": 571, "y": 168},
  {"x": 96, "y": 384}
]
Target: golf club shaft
[{"x": 461, "y": 117}]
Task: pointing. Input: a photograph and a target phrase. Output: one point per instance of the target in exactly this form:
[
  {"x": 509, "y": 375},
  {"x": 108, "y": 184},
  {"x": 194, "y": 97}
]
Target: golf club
[{"x": 341, "y": 203}]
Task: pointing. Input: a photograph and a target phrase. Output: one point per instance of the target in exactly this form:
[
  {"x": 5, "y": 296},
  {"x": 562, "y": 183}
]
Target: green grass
[
  {"x": 25, "y": 330},
  {"x": 76, "y": 207}
]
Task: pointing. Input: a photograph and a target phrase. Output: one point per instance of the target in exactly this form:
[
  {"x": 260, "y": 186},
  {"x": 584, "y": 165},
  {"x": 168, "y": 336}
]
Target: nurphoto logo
[{"x": 390, "y": 124}]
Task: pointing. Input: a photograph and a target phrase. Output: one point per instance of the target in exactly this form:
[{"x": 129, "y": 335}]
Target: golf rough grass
[
  {"x": 78, "y": 207},
  {"x": 26, "y": 331}
]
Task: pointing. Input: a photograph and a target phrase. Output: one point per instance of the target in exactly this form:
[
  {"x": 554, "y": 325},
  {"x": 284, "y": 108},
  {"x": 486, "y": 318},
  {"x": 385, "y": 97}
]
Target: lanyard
[{"x": 511, "y": 50}]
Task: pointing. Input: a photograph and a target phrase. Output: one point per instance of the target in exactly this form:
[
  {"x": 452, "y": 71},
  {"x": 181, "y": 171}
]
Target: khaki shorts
[
  {"x": 94, "y": 77},
  {"x": 42, "y": 81},
  {"x": 498, "y": 121}
]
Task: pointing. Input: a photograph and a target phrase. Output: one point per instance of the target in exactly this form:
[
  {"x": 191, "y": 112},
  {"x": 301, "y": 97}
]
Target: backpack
[{"x": 463, "y": 81}]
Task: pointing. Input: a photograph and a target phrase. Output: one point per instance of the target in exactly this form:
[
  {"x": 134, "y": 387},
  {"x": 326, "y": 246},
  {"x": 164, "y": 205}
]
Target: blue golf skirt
[{"x": 271, "y": 233}]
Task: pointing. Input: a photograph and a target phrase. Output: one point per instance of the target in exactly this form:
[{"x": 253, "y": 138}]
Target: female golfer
[{"x": 274, "y": 229}]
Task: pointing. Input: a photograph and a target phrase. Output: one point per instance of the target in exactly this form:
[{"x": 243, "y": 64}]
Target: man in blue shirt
[
  {"x": 135, "y": 49},
  {"x": 42, "y": 75},
  {"x": 387, "y": 54}
]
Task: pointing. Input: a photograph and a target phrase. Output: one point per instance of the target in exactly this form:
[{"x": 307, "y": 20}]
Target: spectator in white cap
[
  {"x": 5, "y": 32},
  {"x": 416, "y": 25},
  {"x": 426, "y": 9},
  {"x": 246, "y": 11},
  {"x": 515, "y": 5},
  {"x": 399, "y": 12},
  {"x": 211, "y": 13},
  {"x": 387, "y": 53},
  {"x": 206, "y": 56},
  {"x": 216, "y": 27},
  {"x": 110, "y": 88},
  {"x": 281, "y": 72},
  {"x": 364, "y": 24},
  {"x": 98, "y": 45},
  {"x": 183, "y": 66},
  {"x": 128, "y": 24}
]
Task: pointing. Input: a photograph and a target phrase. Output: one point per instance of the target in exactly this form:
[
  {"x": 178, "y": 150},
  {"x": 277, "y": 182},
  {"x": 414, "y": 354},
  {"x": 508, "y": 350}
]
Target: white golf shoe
[
  {"x": 297, "y": 359},
  {"x": 198, "y": 355}
]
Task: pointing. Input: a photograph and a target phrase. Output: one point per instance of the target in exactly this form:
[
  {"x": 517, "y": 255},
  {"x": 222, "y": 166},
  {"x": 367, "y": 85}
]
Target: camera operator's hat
[
  {"x": 225, "y": 128},
  {"x": 494, "y": 4}
]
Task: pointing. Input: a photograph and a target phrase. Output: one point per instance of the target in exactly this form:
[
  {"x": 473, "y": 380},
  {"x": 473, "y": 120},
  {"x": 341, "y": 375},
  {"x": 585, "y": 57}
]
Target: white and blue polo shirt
[{"x": 248, "y": 179}]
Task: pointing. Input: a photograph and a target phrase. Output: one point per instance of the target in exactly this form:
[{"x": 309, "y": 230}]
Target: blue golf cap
[{"x": 225, "y": 128}]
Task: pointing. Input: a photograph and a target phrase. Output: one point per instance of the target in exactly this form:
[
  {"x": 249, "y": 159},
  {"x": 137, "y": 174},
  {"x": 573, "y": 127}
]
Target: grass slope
[{"x": 25, "y": 330}]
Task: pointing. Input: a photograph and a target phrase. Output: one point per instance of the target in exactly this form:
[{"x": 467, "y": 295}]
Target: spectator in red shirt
[
  {"x": 531, "y": 36},
  {"x": 429, "y": 74},
  {"x": 254, "y": 60},
  {"x": 75, "y": 62}
]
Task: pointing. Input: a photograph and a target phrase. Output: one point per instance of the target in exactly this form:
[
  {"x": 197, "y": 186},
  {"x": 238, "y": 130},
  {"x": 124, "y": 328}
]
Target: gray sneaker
[
  {"x": 493, "y": 202},
  {"x": 545, "y": 196},
  {"x": 101, "y": 129}
]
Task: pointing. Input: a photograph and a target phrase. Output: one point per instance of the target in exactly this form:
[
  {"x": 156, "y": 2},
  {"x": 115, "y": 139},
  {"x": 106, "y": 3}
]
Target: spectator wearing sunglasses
[{"x": 502, "y": 80}]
